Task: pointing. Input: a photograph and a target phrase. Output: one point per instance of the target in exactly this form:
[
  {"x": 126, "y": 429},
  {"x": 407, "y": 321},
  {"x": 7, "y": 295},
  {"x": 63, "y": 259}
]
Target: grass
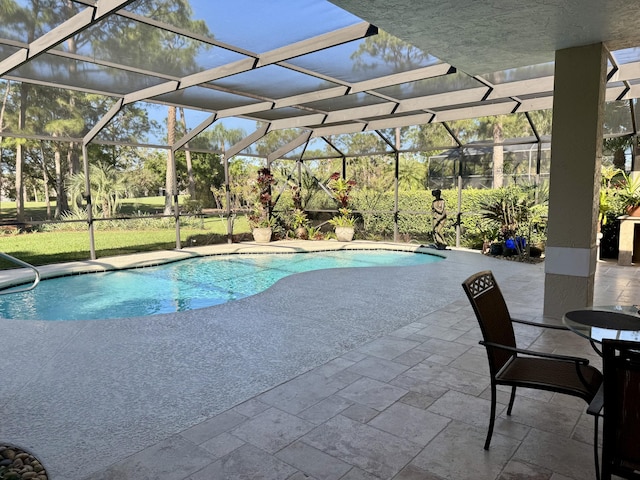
[
  {"x": 37, "y": 211},
  {"x": 42, "y": 248}
]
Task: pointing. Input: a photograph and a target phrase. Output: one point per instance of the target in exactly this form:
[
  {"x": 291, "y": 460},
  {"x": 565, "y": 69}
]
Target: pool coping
[{"x": 14, "y": 277}]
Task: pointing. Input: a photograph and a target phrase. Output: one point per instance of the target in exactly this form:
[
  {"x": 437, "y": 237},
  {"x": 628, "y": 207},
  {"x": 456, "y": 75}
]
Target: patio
[{"x": 344, "y": 374}]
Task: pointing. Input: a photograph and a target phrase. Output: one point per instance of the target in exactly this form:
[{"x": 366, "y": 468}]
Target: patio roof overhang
[{"x": 308, "y": 65}]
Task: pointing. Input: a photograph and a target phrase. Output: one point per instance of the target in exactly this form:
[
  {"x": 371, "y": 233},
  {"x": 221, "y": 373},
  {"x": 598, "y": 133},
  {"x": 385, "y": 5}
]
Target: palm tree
[
  {"x": 107, "y": 188},
  {"x": 412, "y": 174}
]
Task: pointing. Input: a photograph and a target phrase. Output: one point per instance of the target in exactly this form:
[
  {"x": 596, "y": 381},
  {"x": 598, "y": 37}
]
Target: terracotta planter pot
[
  {"x": 633, "y": 211},
  {"x": 344, "y": 234},
  {"x": 261, "y": 234}
]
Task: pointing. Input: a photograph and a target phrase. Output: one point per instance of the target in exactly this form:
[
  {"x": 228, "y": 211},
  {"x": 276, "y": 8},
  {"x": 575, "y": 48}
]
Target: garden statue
[{"x": 439, "y": 217}]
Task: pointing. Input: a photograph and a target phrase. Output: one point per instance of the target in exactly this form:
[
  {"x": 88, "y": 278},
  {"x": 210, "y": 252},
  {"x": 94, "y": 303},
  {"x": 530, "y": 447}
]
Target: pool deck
[{"x": 352, "y": 374}]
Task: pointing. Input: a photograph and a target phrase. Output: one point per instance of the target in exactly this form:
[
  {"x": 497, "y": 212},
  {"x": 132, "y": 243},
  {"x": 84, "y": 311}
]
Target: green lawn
[
  {"x": 41, "y": 248},
  {"x": 37, "y": 211}
]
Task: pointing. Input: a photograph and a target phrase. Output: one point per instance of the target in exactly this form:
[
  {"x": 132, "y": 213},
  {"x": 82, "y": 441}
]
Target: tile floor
[{"x": 403, "y": 397}]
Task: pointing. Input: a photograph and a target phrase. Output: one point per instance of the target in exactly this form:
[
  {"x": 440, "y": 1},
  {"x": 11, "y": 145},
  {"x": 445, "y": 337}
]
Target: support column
[{"x": 576, "y": 154}]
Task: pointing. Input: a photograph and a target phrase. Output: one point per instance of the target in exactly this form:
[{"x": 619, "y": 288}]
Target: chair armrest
[
  {"x": 595, "y": 407},
  {"x": 538, "y": 324},
  {"x": 553, "y": 356}
]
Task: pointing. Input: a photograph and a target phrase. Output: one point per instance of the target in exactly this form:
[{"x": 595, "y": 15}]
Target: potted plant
[
  {"x": 343, "y": 225},
  {"x": 300, "y": 224},
  {"x": 260, "y": 219},
  {"x": 343, "y": 222},
  {"x": 629, "y": 193},
  {"x": 510, "y": 209},
  {"x": 314, "y": 233}
]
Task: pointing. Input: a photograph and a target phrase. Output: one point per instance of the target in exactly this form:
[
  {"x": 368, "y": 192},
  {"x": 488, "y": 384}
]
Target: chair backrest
[
  {"x": 621, "y": 429},
  {"x": 492, "y": 314}
]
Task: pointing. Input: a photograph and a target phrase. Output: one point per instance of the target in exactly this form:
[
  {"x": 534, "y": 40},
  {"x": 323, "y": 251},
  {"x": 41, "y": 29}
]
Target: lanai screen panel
[{"x": 306, "y": 64}]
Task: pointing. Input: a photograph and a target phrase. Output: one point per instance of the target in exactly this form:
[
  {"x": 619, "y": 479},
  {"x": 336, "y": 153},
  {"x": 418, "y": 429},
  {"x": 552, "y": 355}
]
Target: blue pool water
[{"x": 184, "y": 285}]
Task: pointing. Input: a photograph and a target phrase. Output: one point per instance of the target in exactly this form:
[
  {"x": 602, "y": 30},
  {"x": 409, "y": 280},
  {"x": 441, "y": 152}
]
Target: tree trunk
[
  {"x": 171, "y": 135},
  {"x": 2, "y": 110},
  {"x": 73, "y": 159},
  {"x": 618, "y": 159},
  {"x": 20, "y": 194},
  {"x": 62, "y": 205},
  {"x": 498, "y": 154},
  {"x": 45, "y": 181},
  {"x": 187, "y": 153}
]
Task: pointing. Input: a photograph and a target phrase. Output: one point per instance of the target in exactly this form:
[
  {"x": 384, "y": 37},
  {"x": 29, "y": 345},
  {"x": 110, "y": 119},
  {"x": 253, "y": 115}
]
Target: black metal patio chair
[{"x": 517, "y": 367}]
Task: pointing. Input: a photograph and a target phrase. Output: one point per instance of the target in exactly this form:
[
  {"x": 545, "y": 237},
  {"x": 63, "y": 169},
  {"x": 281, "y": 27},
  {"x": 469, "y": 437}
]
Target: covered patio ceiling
[{"x": 309, "y": 64}]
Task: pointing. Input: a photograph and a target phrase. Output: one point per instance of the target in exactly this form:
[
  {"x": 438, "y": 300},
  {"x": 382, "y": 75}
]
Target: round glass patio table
[{"x": 610, "y": 321}]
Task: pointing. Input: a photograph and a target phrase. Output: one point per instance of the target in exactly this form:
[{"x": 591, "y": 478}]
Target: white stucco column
[{"x": 576, "y": 154}]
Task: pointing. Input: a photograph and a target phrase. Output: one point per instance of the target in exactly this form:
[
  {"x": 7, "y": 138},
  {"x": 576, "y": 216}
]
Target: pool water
[{"x": 179, "y": 286}]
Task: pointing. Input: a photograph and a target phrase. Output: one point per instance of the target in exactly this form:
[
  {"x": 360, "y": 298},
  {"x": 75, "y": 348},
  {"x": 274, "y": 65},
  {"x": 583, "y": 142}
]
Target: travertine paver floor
[{"x": 354, "y": 375}]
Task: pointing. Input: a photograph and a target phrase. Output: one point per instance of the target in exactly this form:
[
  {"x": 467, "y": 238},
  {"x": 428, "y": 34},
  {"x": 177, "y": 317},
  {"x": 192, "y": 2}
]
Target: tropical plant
[
  {"x": 300, "y": 224},
  {"x": 629, "y": 191},
  {"x": 606, "y": 196},
  {"x": 604, "y": 206},
  {"x": 512, "y": 212},
  {"x": 107, "y": 189},
  {"x": 314, "y": 233},
  {"x": 260, "y": 215},
  {"x": 340, "y": 188},
  {"x": 299, "y": 219},
  {"x": 344, "y": 218}
]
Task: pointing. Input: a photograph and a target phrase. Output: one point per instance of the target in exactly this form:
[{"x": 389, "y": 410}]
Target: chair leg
[
  {"x": 492, "y": 419},
  {"x": 595, "y": 448},
  {"x": 511, "y": 400}
]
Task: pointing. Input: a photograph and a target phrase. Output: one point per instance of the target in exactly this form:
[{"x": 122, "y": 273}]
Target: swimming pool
[{"x": 183, "y": 285}]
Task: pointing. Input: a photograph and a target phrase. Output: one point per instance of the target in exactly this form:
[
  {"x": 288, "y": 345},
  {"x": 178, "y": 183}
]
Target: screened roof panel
[
  {"x": 256, "y": 26},
  {"x": 279, "y": 114},
  {"x": 521, "y": 73},
  {"x": 627, "y": 55},
  {"x": 16, "y": 26},
  {"x": 345, "y": 102},
  {"x": 305, "y": 64},
  {"x": 358, "y": 61},
  {"x": 480, "y": 103},
  {"x": 205, "y": 98},
  {"x": 7, "y": 50},
  {"x": 475, "y": 110},
  {"x": 335, "y": 128},
  {"x": 431, "y": 86},
  {"x": 273, "y": 82},
  {"x": 399, "y": 121},
  {"x": 78, "y": 74},
  {"x": 412, "y": 117},
  {"x": 169, "y": 54}
]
